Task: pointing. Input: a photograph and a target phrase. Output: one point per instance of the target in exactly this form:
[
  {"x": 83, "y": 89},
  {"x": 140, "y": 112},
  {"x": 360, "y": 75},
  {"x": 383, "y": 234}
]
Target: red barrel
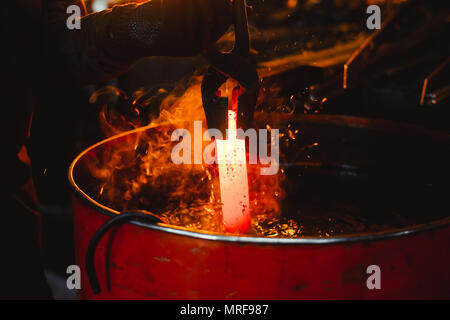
[{"x": 140, "y": 260}]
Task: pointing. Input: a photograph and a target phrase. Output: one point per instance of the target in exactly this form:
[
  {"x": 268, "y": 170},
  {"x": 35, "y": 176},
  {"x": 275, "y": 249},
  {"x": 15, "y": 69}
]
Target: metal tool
[{"x": 236, "y": 65}]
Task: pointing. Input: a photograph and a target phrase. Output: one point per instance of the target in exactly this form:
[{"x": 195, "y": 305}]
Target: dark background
[{"x": 65, "y": 123}]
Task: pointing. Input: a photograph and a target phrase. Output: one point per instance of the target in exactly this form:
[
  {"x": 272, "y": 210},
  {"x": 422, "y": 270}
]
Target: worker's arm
[{"x": 109, "y": 42}]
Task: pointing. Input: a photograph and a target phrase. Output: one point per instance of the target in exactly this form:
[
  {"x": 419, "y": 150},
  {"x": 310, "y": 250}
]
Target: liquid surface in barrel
[{"x": 334, "y": 179}]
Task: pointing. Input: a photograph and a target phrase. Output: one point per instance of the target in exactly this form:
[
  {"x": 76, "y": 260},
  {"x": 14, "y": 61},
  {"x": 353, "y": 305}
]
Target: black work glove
[
  {"x": 186, "y": 27},
  {"x": 110, "y": 41},
  {"x": 171, "y": 27}
]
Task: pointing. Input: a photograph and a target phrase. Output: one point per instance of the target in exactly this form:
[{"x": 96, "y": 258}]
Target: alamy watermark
[
  {"x": 374, "y": 280},
  {"x": 374, "y": 20},
  {"x": 257, "y": 143},
  {"x": 73, "y": 281},
  {"x": 73, "y": 22}
]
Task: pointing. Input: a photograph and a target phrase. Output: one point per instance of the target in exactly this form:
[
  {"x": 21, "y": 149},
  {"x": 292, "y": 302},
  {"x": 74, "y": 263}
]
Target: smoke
[{"x": 139, "y": 174}]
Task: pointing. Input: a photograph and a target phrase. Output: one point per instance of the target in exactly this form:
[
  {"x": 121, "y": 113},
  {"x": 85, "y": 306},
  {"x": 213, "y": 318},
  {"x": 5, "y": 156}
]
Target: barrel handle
[{"x": 114, "y": 221}]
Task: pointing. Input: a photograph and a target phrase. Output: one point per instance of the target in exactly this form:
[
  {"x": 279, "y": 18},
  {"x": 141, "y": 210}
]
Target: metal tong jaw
[{"x": 236, "y": 65}]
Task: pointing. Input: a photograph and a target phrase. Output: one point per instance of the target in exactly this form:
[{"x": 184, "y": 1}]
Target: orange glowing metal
[{"x": 233, "y": 175}]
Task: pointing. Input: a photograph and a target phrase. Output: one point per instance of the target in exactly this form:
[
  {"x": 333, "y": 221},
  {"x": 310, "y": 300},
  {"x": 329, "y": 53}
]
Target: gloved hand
[
  {"x": 173, "y": 27},
  {"x": 110, "y": 41}
]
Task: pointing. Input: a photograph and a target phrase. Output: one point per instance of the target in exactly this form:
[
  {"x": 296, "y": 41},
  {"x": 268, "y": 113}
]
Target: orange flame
[{"x": 141, "y": 175}]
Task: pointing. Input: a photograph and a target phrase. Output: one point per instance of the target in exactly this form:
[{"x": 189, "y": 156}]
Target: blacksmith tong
[{"x": 236, "y": 65}]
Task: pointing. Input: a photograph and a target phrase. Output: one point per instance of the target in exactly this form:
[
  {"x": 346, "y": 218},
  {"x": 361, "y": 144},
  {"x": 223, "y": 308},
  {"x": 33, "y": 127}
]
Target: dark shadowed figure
[{"x": 39, "y": 52}]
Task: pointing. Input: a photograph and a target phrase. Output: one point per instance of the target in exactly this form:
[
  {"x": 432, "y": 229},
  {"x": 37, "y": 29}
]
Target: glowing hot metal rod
[
  {"x": 231, "y": 158},
  {"x": 231, "y": 153}
]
